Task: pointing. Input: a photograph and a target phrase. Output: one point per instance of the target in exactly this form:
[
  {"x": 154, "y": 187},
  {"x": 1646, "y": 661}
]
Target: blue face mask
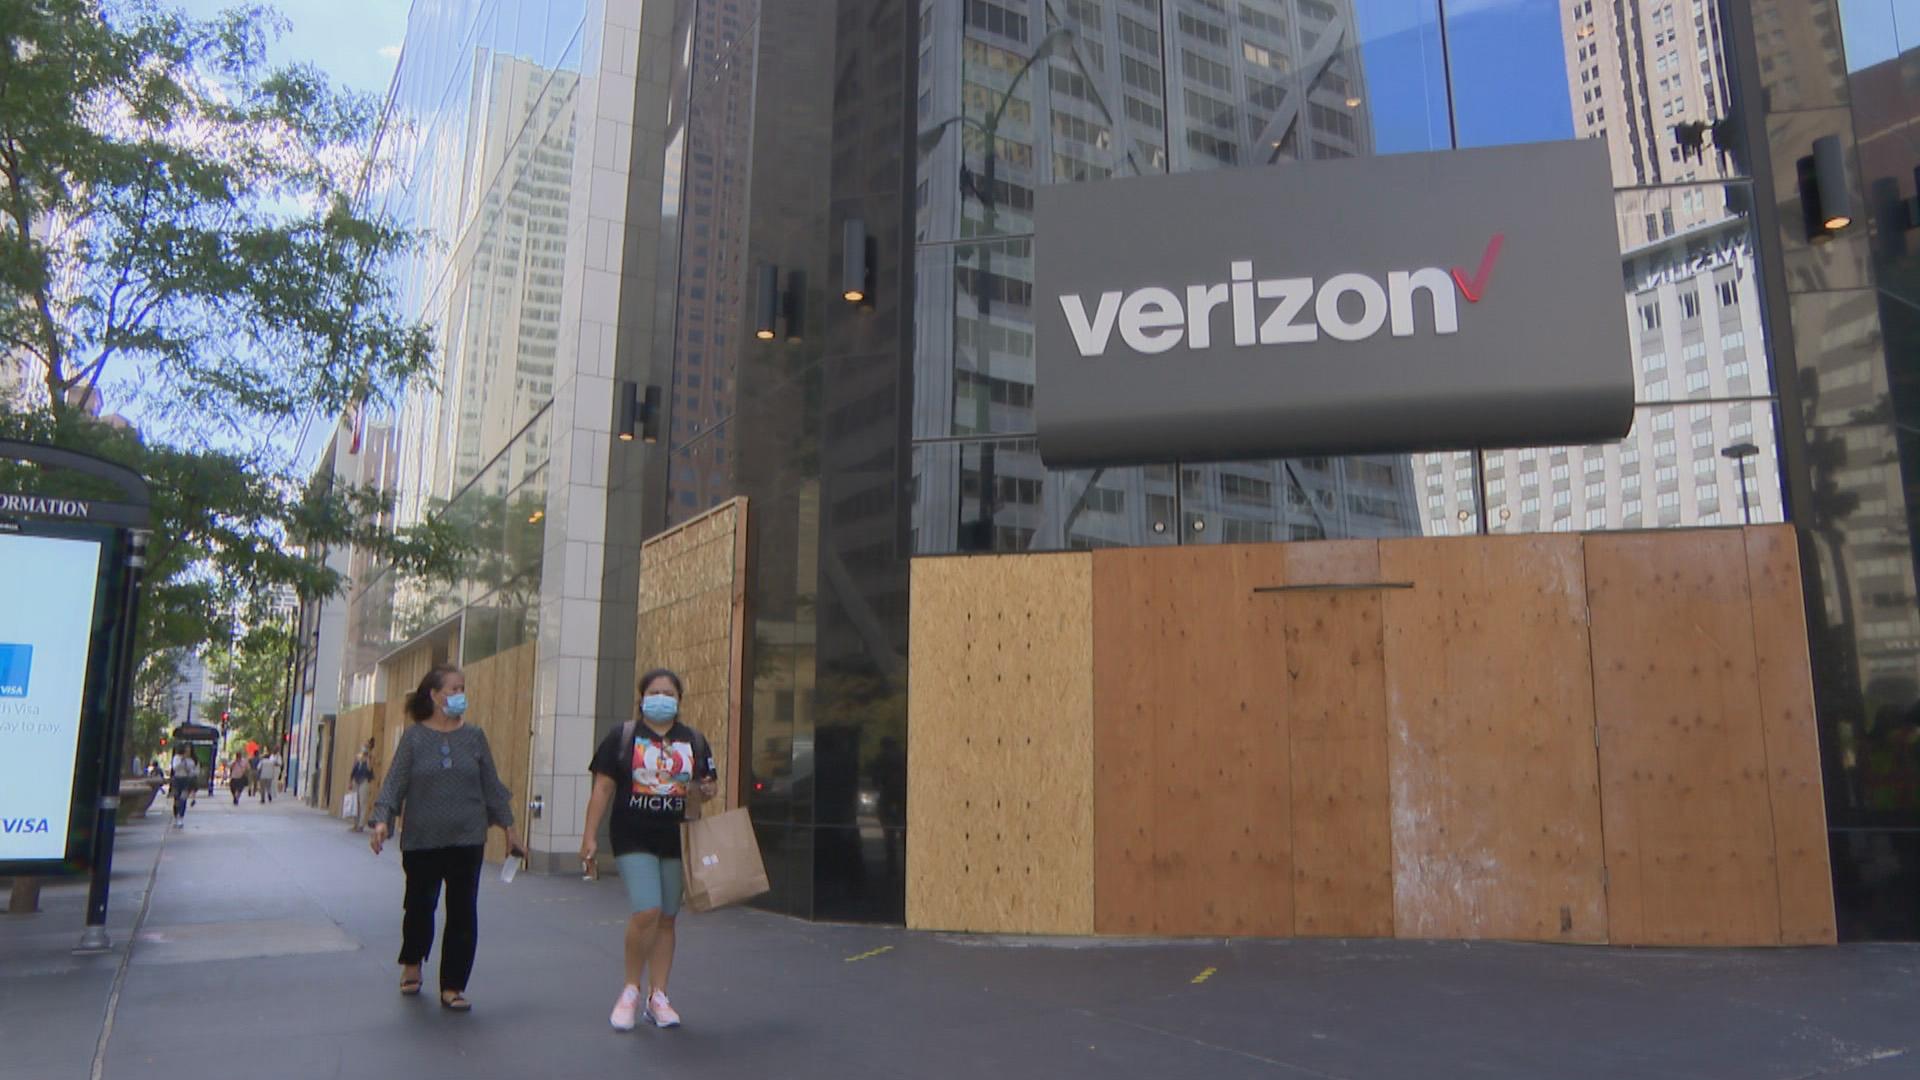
[
  {"x": 456, "y": 704},
  {"x": 660, "y": 708}
]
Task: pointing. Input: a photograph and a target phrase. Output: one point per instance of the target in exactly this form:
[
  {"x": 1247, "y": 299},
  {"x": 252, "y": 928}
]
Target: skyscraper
[{"x": 1650, "y": 79}]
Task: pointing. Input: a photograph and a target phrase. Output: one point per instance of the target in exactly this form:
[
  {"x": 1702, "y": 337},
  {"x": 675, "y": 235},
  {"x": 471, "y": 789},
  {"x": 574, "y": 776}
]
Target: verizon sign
[{"x": 1420, "y": 302}]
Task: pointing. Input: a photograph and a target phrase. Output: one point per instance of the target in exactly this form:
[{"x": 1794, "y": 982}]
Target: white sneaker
[
  {"x": 660, "y": 1011},
  {"x": 623, "y": 1010}
]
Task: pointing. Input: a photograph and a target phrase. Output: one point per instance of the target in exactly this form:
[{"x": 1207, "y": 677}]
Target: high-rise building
[
  {"x": 1650, "y": 79},
  {"x": 1109, "y": 90},
  {"x": 690, "y": 175}
]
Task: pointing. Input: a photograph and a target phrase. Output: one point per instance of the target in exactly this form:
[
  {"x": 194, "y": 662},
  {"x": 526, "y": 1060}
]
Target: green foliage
[
  {"x": 182, "y": 225},
  {"x": 169, "y": 202},
  {"x": 256, "y": 669}
]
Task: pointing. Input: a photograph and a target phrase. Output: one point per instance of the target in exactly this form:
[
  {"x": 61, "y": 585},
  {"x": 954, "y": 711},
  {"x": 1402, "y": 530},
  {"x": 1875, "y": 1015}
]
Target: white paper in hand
[{"x": 509, "y": 868}]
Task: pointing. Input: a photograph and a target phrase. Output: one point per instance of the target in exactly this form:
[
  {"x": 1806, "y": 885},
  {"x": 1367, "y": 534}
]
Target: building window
[
  {"x": 1729, "y": 294},
  {"x": 1139, "y": 37},
  {"x": 1735, "y": 340},
  {"x": 991, "y": 17},
  {"x": 1650, "y": 316},
  {"x": 1689, "y": 302},
  {"x": 1140, "y": 76}
]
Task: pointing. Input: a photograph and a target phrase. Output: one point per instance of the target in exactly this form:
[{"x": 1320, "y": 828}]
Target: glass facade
[
  {"x": 1853, "y": 71},
  {"x": 477, "y": 153},
  {"x": 1014, "y": 95},
  {"x": 874, "y": 398}
]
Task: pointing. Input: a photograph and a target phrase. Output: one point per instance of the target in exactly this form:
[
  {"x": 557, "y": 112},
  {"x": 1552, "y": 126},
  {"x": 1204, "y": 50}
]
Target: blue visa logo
[
  {"x": 25, "y": 825},
  {"x": 16, "y": 669}
]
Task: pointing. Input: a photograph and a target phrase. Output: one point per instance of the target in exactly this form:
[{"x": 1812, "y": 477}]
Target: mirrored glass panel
[
  {"x": 997, "y": 496},
  {"x": 1682, "y": 466}
]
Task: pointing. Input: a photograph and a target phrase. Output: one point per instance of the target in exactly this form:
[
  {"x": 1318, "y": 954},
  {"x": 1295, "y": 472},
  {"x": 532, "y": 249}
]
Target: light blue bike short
[{"x": 652, "y": 882}]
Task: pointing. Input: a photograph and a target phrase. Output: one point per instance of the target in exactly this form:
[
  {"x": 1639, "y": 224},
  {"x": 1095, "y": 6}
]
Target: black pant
[{"x": 459, "y": 868}]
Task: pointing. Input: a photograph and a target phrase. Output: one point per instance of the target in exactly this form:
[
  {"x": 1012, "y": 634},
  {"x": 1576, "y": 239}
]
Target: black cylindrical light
[
  {"x": 629, "y": 411},
  {"x": 793, "y": 303},
  {"x": 855, "y": 271},
  {"x": 650, "y": 416},
  {"x": 1890, "y": 216},
  {"x": 767, "y": 303},
  {"x": 1830, "y": 174}
]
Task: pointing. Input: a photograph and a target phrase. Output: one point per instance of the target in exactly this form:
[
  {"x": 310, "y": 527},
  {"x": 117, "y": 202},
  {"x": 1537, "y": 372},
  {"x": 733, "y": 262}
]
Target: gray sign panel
[{"x": 1413, "y": 302}]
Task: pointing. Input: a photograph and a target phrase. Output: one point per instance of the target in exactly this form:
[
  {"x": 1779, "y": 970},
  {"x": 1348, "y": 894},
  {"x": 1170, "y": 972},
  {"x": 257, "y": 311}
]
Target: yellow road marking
[
  {"x": 869, "y": 955},
  {"x": 1204, "y": 976}
]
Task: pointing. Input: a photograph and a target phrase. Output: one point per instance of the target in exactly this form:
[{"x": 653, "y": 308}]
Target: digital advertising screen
[{"x": 48, "y": 601}]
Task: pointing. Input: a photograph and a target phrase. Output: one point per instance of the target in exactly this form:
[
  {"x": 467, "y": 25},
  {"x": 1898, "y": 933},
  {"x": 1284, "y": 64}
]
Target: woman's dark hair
[
  {"x": 662, "y": 673},
  {"x": 420, "y": 702}
]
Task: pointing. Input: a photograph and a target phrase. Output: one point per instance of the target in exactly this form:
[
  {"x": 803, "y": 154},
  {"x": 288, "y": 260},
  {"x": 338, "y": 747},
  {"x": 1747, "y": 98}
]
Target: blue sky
[
  {"x": 1878, "y": 30},
  {"x": 355, "y": 41}
]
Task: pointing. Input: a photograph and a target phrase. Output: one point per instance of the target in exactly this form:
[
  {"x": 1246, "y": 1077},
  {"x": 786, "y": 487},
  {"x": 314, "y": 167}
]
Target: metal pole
[{"x": 94, "y": 937}]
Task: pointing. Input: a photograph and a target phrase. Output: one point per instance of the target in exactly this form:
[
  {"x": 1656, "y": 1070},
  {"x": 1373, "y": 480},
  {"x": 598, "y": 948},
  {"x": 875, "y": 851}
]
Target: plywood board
[
  {"x": 501, "y": 690},
  {"x": 351, "y": 730},
  {"x": 1000, "y": 745},
  {"x": 1792, "y": 743},
  {"x": 1337, "y": 720},
  {"x": 1192, "y": 776},
  {"x": 1683, "y": 762},
  {"x": 692, "y": 620},
  {"x": 1496, "y": 810}
]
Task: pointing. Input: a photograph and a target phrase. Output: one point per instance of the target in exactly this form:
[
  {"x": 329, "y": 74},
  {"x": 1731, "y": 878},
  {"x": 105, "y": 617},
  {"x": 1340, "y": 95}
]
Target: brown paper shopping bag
[{"x": 721, "y": 861}]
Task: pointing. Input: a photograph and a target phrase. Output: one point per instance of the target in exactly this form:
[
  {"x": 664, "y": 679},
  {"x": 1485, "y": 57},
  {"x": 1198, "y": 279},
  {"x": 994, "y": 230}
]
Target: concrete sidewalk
[{"x": 274, "y": 929}]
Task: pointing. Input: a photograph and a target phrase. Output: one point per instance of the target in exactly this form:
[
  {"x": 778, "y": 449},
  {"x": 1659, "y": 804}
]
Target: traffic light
[{"x": 224, "y": 717}]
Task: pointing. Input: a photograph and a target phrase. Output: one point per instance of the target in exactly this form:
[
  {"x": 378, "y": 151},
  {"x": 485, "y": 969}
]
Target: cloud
[{"x": 390, "y": 52}]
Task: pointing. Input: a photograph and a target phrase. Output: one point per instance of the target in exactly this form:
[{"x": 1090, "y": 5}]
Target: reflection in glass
[
  {"x": 1322, "y": 498},
  {"x": 997, "y": 496},
  {"x": 1682, "y": 466}
]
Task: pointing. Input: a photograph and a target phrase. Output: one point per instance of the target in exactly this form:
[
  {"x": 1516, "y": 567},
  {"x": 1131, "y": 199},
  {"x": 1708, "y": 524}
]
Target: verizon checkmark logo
[
  {"x": 1250, "y": 309},
  {"x": 1475, "y": 287}
]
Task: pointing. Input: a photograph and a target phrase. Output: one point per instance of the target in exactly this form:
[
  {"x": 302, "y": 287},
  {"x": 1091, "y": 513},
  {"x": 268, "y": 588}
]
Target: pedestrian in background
[
  {"x": 253, "y": 772},
  {"x": 362, "y": 779},
  {"x": 268, "y": 774},
  {"x": 237, "y": 777},
  {"x": 645, "y": 770},
  {"x": 444, "y": 787},
  {"x": 185, "y": 781}
]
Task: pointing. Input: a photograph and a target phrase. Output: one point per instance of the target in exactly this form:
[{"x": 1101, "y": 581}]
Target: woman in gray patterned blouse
[{"x": 444, "y": 787}]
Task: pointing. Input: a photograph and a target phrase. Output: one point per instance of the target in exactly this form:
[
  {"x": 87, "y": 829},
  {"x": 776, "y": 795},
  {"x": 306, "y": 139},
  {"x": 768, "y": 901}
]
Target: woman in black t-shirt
[{"x": 645, "y": 770}]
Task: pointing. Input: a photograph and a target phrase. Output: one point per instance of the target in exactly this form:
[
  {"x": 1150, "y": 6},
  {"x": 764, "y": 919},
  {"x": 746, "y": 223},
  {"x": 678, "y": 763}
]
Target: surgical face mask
[
  {"x": 660, "y": 708},
  {"x": 456, "y": 704}
]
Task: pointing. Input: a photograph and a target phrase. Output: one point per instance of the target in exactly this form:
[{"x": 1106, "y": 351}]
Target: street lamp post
[
  {"x": 986, "y": 193},
  {"x": 1738, "y": 453}
]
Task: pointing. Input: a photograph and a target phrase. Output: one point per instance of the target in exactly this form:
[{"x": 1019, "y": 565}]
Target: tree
[
  {"x": 189, "y": 229},
  {"x": 256, "y": 671}
]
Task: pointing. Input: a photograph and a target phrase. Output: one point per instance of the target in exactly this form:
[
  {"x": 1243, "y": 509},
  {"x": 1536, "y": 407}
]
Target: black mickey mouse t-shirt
[{"x": 652, "y": 779}]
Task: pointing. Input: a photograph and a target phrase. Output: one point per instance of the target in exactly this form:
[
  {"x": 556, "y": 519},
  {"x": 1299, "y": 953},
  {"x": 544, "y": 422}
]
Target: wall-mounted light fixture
[
  {"x": 1826, "y": 199},
  {"x": 858, "y": 253},
  {"x": 766, "y": 310},
  {"x": 793, "y": 301},
  {"x": 639, "y": 415},
  {"x": 780, "y": 312}
]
